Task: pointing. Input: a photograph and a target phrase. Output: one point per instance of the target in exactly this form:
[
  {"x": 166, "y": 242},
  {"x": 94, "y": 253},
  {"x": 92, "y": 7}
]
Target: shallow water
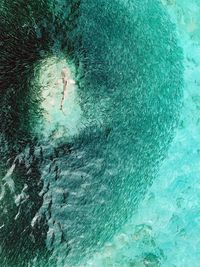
[{"x": 74, "y": 185}]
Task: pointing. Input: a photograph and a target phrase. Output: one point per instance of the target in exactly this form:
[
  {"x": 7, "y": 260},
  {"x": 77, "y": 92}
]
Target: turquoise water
[
  {"x": 164, "y": 230},
  {"x": 113, "y": 179}
]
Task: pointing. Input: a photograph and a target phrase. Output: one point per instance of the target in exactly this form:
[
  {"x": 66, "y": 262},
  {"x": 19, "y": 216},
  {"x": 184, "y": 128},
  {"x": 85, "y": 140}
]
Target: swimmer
[{"x": 65, "y": 74}]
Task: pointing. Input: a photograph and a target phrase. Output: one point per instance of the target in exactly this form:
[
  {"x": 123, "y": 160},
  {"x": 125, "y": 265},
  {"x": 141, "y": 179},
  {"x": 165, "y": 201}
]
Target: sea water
[
  {"x": 165, "y": 229},
  {"x": 81, "y": 195}
]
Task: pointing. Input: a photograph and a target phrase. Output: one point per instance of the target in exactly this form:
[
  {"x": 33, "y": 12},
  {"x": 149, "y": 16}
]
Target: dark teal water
[{"x": 71, "y": 181}]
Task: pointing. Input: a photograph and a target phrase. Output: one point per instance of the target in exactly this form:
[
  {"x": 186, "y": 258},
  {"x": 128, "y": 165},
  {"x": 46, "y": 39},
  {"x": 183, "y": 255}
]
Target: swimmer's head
[{"x": 65, "y": 72}]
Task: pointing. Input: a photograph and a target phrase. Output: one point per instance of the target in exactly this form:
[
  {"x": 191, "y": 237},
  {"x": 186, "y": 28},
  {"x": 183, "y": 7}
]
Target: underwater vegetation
[{"x": 71, "y": 178}]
